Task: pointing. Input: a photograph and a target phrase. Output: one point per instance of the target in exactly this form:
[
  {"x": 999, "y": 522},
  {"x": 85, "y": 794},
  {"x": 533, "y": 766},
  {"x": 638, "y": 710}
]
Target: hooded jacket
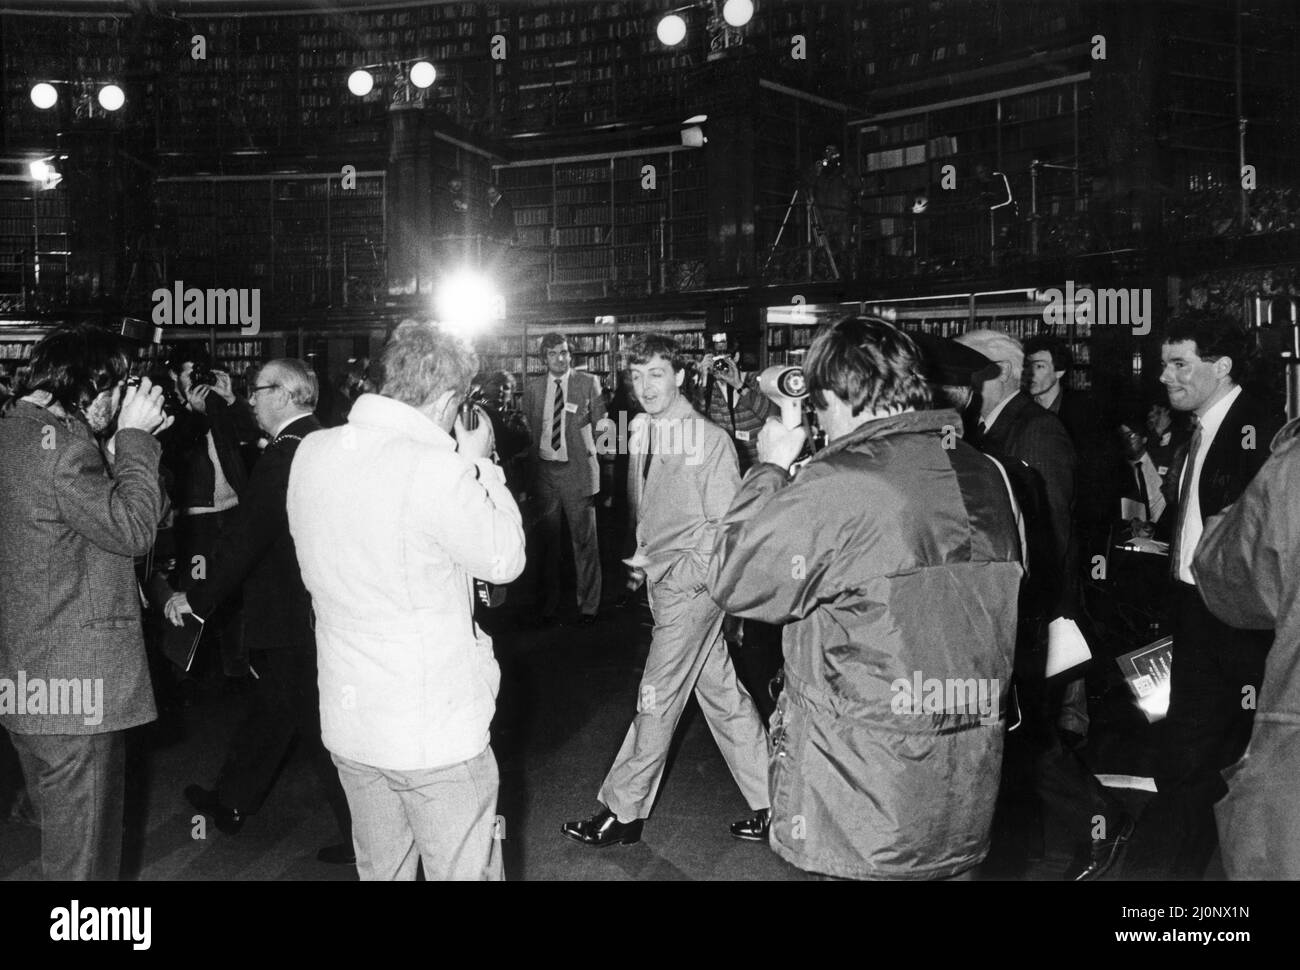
[{"x": 894, "y": 559}]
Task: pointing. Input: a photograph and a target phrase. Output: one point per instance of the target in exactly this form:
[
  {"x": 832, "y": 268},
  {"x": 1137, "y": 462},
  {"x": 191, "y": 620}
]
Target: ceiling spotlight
[
  {"x": 361, "y": 82},
  {"x": 111, "y": 97},
  {"x": 44, "y": 96},
  {"x": 671, "y": 30},
  {"x": 423, "y": 74},
  {"x": 737, "y": 13}
]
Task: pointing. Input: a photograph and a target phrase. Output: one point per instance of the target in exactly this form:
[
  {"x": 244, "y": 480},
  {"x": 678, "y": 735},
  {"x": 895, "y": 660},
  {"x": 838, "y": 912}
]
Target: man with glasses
[
  {"x": 563, "y": 407},
  {"x": 257, "y": 556}
]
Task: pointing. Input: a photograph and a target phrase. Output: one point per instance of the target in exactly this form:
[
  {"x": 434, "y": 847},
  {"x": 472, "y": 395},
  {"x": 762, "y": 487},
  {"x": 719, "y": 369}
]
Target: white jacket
[{"x": 390, "y": 526}]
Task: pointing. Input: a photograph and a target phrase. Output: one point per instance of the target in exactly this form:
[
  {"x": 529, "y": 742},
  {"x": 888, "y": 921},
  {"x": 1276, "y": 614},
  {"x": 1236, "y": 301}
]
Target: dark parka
[
  {"x": 892, "y": 555},
  {"x": 1247, "y": 569}
]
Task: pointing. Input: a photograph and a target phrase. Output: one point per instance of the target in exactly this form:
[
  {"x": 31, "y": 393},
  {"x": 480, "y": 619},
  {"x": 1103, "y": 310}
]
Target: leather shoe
[
  {"x": 603, "y": 829},
  {"x": 342, "y": 854},
  {"x": 1101, "y": 854},
  {"x": 754, "y": 828},
  {"x": 227, "y": 820}
]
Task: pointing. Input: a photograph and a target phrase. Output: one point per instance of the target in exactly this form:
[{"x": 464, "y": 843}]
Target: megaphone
[{"x": 784, "y": 386}]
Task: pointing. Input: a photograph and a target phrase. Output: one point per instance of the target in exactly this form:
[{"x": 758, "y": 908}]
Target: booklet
[
  {"x": 180, "y": 643},
  {"x": 1147, "y": 672}
]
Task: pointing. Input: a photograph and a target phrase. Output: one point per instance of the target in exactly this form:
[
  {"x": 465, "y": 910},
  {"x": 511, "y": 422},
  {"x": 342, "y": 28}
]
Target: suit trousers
[
  {"x": 197, "y": 535},
  {"x": 686, "y": 653},
  {"x": 554, "y": 497},
  {"x": 1206, "y": 730},
  {"x": 78, "y": 784},
  {"x": 444, "y": 817},
  {"x": 286, "y": 707}
]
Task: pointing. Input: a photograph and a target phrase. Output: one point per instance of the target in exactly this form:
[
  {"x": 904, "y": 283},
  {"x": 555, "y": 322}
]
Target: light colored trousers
[
  {"x": 445, "y": 817},
  {"x": 686, "y": 653}
]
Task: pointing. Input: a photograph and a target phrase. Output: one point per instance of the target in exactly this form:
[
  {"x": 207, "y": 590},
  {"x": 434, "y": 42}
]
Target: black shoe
[
  {"x": 338, "y": 855},
  {"x": 754, "y": 828},
  {"x": 587, "y": 619},
  {"x": 603, "y": 829},
  {"x": 227, "y": 820},
  {"x": 1101, "y": 854}
]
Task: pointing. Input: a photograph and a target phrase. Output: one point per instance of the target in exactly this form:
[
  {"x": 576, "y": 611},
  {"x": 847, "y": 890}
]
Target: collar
[
  {"x": 284, "y": 424},
  {"x": 377, "y": 411},
  {"x": 993, "y": 415},
  {"x": 909, "y": 422},
  {"x": 1214, "y": 417},
  {"x": 563, "y": 378}
]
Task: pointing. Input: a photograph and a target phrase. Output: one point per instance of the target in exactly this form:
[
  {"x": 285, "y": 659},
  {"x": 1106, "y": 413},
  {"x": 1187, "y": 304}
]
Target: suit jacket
[
  {"x": 580, "y": 475},
  {"x": 257, "y": 555},
  {"x": 1229, "y": 466},
  {"x": 678, "y": 506},
  {"x": 1098, "y": 485},
  {"x": 1036, "y": 451},
  {"x": 186, "y": 450},
  {"x": 69, "y": 603}
]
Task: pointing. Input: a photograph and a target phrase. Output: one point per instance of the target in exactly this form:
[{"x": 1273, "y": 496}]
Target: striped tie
[
  {"x": 557, "y": 417},
  {"x": 1184, "y": 500}
]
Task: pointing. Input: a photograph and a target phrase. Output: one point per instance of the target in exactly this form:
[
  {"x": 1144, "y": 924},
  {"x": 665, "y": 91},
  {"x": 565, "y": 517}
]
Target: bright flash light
[
  {"x": 44, "y": 95},
  {"x": 671, "y": 30},
  {"x": 40, "y": 170},
  {"x": 737, "y": 13},
  {"x": 467, "y": 302},
  {"x": 423, "y": 74},
  {"x": 111, "y": 97},
  {"x": 361, "y": 83}
]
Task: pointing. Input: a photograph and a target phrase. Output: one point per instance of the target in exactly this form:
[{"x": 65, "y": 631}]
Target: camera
[
  {"x": 469, "y": 413},
  {"x": 202, "y": 374},
  {"x": 722, "y": 365}
]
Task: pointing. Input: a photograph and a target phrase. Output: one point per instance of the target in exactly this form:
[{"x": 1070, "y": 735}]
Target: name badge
[
  {"x": 1162, "y": 470},
  {"x": 571, "y": 408},
  {"x": 742, "y": 435}
]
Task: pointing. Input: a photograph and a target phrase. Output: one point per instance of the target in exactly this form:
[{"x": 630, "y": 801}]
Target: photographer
[
  {"x": 203, "y": 455},
  {"x": 69, "y": 604},
  {"x": 393, "y": 519},
  {"x": 893, "y": 555}
]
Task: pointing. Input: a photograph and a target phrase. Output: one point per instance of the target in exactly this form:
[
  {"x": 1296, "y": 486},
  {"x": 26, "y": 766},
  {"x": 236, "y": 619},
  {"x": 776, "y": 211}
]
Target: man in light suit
[
  {"x": 562, "y": 408},
  {"x": 681, "y": 480}
]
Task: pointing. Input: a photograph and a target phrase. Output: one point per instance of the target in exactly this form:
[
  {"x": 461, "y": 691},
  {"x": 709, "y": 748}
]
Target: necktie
[
  {"x": 557, "y": 417},
  {"x": 1184, "y": 499},
  {"x": 649, "y": 450},
  {"x": 981, "y": 430},
  {"x": 1144, "y": 495}
]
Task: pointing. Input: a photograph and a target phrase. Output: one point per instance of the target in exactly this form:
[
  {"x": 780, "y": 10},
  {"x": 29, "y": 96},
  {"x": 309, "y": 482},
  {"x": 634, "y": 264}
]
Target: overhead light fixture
[
  {"x": 671, "y": 30},
  {"x": 737, "y": 13},
  {"x": 111, "y": 97},
  {"x": 361, "y": 82},
  {"x": 423, "y": 74},
  {"x": 44, "y": 95},
  {"x": 43, "y": 172},
  {"x": 694, "y": 137}
]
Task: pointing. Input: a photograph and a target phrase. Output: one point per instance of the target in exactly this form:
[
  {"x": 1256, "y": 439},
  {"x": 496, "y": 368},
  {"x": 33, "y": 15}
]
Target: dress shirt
[
  {"x": 1192, "y": 524},
  {"x": 545, "y": 450},
  {"x": 993, "y": 415}
]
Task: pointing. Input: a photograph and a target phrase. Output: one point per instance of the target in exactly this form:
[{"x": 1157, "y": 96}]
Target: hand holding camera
[
  {"x": 726, "y": 369},
  {"x": 473, "y": 430},
  {"x": 142, "y": 407}
]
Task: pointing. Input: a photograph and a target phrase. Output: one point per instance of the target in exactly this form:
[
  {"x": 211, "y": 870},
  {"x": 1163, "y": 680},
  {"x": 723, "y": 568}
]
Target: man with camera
[
  {"x": 203, "y": 453},
  {"x": 75, "y": 515},
  {"x": 393, "y": 520},
  {"x": 893, "y": 556}
]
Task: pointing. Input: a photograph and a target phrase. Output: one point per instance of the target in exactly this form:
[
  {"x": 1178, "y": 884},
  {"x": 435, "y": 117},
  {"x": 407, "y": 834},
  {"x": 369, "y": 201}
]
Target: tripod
[{"x": 815, "y": 232}]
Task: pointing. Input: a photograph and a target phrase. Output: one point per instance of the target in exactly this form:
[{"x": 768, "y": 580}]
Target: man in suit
[
  {"x": 1035, "y": 449},
  {"x": 1217, "y": 669},
  {"x": 564, "y": 408},
  {"x": 75, "y": 516},
  {"x": 257, "y": 557},
  {"x": 682, "y": 478}
]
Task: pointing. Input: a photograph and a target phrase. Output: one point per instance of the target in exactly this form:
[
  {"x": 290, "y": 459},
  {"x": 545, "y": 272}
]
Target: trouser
[
  {"x": 580, "y": 512},
  {"x": 444, "y": 817},
  {"x": 1206, "y": 730},
  {"x": 77, "y": 783},
  {"x": 1073, "y": 715},
  {"x": 1039, "y": 773},
  {"x": 686, "y": 653},
  {"x": 197, "y": 535},
  {"x": 286, "y": 706}
]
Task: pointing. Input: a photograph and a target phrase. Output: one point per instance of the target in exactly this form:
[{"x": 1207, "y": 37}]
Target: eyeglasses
[{"x": 261, "y": 387}]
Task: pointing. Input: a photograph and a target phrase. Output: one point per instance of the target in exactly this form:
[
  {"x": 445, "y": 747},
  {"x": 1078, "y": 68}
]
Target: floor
[{"x": 567, "y": 695}]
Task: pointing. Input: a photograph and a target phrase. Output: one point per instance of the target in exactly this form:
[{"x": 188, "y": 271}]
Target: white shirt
[
  {"x": 545, "y": 450},
  {"x": 1192, "y": 524},
  {"x": 223, "y": 495},
  {"x": 993, "y": 415}
]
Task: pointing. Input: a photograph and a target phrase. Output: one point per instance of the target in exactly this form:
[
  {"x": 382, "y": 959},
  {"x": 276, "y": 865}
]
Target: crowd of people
[{"x": 868, "y": 626}]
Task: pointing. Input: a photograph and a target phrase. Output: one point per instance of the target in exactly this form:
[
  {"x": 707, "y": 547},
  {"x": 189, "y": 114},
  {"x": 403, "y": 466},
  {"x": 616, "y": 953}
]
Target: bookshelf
[{"x": 34, "y": 227}]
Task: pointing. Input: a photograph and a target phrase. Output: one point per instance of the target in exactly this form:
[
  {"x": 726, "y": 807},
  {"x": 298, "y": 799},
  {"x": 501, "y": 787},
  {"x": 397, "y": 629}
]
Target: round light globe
[{"x": 671, "y": 30}]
